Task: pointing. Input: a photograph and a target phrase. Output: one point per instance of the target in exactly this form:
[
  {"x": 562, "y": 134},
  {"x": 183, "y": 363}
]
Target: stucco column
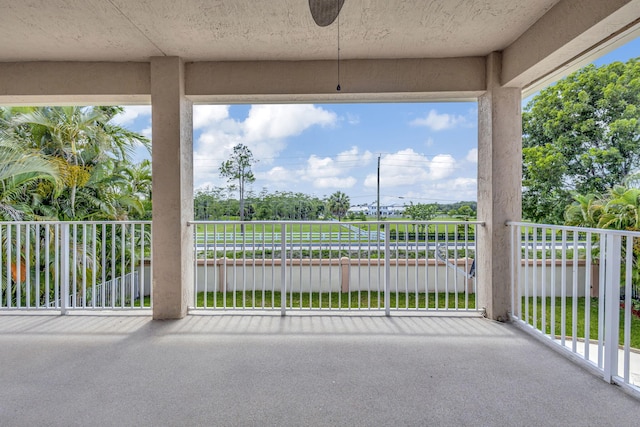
[
  {"x": 172, "y": 157},
  {"x": 499, "y": 188}
]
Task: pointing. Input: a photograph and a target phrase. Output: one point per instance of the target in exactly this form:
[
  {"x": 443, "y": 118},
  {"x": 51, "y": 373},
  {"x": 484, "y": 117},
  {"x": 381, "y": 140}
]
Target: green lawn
[
  {"x": 401, "y": 225},
  {"x": 335, "y": 300},
  {"x": 146, "y": 303},
  {"x": 581, "y": 309}
]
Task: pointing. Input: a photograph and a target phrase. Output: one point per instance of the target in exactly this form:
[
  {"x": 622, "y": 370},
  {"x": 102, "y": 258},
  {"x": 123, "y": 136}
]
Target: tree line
[{"x": 217, "y": 203}]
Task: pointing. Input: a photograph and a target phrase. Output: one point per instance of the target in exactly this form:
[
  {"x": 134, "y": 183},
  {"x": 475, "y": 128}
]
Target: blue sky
[{"x": 428, "y": 151}]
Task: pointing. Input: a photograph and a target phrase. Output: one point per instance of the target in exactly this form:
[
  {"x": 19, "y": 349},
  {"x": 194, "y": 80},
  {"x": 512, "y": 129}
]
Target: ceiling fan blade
[{"x": 324, "y": 12}]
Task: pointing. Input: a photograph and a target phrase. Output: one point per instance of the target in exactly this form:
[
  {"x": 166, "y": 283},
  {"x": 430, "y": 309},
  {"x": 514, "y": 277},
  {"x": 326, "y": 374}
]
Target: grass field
[
  {"x": 402, "y": 225},
  {"x": 581, "y": 322}
]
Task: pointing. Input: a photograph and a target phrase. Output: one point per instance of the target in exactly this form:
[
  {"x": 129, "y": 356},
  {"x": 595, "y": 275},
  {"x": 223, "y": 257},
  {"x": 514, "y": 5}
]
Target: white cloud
[
  {"x": 437, "y": 122},
  {"x": 353, "y": 157},
  {"x": 406, "y": 167},
  {"x": 446, "y": 190},
  {"x": 472, "y": 156},
  {"x": 209, "y": 115},
  {"x": 131, "y": 113},
  {"x": 326, "y": 173},
  {"x": 441, "y": 166},
  {"x": 268, "y": 122},
  {"x": 276, "y": 174},
  {"x": 320, "y": 167},
  {"x": 335, "y": 182}
]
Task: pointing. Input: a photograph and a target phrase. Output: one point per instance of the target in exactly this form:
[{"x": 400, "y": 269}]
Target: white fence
[
  {"x": 75, "y": 265},
  {"x": 334, "y": 266},
  {"x": 590, "y": 315}
]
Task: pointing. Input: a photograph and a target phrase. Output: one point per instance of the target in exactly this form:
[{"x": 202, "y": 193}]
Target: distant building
[{"x": 393, "y": 210}]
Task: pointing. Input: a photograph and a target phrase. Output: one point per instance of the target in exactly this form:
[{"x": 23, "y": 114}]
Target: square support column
[
  {"x": 172, "y": 158},
  {"x": 499, "y": 188}
]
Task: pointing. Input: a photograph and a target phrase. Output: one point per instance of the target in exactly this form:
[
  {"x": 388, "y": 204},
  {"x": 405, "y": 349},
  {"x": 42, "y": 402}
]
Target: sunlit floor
[{"x": 293, "y": 370}]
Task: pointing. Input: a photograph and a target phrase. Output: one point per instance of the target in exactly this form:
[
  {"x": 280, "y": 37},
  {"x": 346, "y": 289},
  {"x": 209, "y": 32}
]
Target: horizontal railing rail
[
  {"x": 49, "y": 265},
  {"x": 343, "y": 236},
  {"x": 329, "y": 265},
  {"x": 578, "y": 288}
]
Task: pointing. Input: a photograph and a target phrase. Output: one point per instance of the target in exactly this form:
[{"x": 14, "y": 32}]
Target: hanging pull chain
[{"x": 338, "y": 18}]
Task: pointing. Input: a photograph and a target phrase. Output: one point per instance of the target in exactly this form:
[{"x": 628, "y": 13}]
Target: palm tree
[
  {"x": 77, "y": 140},
  {"x": 622, "y": 211},
  {"x": 632, "y": 180},
  {"x": 338, "y": 204},
  {"x": 586, "y": 211},
  {"x": 138, "y": 179},
  {"x": 19, "y": 169},
  {"x": 106, "y": 194}
]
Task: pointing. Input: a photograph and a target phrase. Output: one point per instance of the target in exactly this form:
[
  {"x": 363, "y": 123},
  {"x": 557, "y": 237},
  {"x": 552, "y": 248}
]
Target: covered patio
[{"x": 305, "y": 369}]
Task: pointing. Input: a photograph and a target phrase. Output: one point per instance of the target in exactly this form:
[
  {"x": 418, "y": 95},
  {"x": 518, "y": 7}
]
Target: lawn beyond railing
[
  {"x": 577, "y": 287},
  {"x": 75, "y": 265},
  {"x": 329, "y": 265}
]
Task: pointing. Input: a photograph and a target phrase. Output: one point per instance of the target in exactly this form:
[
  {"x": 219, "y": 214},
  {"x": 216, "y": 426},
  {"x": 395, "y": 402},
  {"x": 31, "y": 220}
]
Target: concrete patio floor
[{"x": 297, "y": 370}]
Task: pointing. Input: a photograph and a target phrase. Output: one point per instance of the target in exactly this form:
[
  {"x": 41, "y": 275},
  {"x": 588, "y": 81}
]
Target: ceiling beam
[
  {"x": 569, "y": 31},
  {"x": 381, "y": 80},
  {"x": 74, "y": 83},
  {"x": 384, "y": 80}
]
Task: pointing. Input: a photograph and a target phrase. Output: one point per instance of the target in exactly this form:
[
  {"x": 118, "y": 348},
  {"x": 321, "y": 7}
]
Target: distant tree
[
  {"x": 421, "y": 212},
  {"x": 465, "y": 211},
  {"x": 338, "y": 204},
  {"x": 208, "y": 204},
  {"x": 580, "y": 135},
  {"x": 237, "y": 171}
]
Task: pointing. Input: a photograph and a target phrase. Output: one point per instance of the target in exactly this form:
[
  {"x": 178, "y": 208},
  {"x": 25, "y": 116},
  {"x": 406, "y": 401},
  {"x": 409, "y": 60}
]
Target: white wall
[{"x": 361, "y": 276}]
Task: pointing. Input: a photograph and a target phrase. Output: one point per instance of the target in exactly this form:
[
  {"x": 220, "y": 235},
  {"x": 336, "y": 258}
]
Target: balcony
[{"x": 298, "y": 369}]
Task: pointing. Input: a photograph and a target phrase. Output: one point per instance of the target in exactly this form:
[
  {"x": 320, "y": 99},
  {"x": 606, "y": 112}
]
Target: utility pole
[{"x": 378, "y": 203}]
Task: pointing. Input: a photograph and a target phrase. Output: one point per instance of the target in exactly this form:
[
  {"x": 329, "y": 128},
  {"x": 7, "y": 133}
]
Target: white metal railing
[
  {"x": 75, "y": 265},
  {"x": 114, "y": 292},
  {"x": 328, "y": 265},
  {"x": 578, "y": 287}
]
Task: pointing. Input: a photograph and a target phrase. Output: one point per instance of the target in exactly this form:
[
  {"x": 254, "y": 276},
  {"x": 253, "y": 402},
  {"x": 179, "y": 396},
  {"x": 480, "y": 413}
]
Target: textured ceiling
[{"x": 213, "y": 30}]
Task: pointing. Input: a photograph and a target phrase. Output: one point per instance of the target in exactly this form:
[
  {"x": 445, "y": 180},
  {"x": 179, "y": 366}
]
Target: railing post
[
  {"x": 283, "y": 270},
  {"x": 515, "y": 285},
  {"x": 612, "y": 306},
  {"x": 387, "y": 271},
  {"x": 64, "y": 268}
]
